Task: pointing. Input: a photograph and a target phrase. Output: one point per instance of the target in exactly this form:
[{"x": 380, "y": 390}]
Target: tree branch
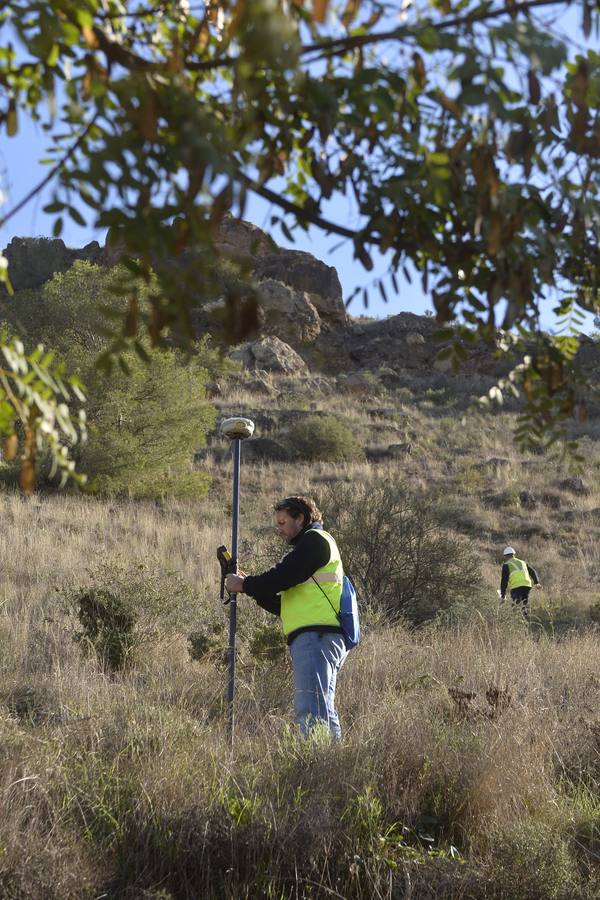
[
  {"x": 301, "y": 214},
  {"x": 42, "y": 184},
  {"x": 339, "y": 45},
  {"x": 133, "y": 61}
]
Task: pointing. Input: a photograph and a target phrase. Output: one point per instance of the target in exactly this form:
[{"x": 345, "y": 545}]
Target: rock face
[
  {"x": 288, "y": 314},
  {"x": 32, "y": 261},
  {"x": 311, "y": 282},
  {"x": 237, "y": 238},
  {"x": 306, "y": 274}
]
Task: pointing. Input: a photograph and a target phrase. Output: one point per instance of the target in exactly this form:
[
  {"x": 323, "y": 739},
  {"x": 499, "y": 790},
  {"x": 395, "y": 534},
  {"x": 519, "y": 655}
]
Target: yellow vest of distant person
[
  {"x": 518, "y": 576},
  {"x": 315, "y": 604}
]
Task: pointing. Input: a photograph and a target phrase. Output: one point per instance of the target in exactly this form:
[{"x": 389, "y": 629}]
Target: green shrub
[
  {"x": 324, "y": 438},
  {"x": 125, "y": 609},
  {"x": 107, "y": 625},
  {"x": 267, "y": 642},
  {"x": 206, "y": 642},
  {"x": 531, "y": 860},
  {"x": 404, "y": 562},
  {"x": 144, "y": 427}
]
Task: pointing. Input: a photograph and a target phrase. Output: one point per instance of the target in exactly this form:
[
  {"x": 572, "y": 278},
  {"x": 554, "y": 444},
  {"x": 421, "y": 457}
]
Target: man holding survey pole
[{"x": 305, "y": 590}]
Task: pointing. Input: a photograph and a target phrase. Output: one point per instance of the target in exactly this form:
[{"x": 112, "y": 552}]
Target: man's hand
[{"x": 234, "y": 583}]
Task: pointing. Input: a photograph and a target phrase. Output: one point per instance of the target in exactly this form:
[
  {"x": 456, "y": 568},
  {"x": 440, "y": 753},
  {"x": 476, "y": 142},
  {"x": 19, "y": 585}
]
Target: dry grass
[{"x": 451, "y": 737}]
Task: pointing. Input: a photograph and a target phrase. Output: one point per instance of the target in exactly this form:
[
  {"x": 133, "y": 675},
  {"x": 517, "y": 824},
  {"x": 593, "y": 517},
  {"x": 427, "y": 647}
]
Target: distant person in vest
[
  {"x": 304, "y": 588},
  {"x": 519, "y": 577}
]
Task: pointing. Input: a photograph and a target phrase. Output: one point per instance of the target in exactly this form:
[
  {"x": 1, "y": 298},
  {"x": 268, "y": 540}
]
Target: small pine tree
[
  {"x": 144, "y": 427},
  {"x": 145, "y": 419}
]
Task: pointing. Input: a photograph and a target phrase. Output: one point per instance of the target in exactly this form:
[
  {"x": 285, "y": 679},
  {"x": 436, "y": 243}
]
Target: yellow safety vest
[
  {"x": 305, "y": 603},
  {"x": 518, "y": 575}
]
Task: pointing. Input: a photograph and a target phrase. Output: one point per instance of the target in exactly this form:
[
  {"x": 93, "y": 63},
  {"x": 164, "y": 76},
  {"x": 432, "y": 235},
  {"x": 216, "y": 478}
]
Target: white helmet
[{"x": 509, "y": 551}]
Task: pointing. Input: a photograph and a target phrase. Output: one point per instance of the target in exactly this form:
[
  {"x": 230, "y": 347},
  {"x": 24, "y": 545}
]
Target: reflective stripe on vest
[
  {"x": 518, "y": 575},
  {"x": 304, "y": 604}
]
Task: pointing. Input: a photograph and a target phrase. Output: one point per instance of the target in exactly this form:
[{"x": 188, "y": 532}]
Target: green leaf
[
  {"x": 54, "y": 207},
  {"x": 53, "y": 56},
  {"x": 76, "y": 216},
  {"x": 4, "y": 279},
  {"x": 429, "y": 39},
  {"x": 438, "y": 159}
]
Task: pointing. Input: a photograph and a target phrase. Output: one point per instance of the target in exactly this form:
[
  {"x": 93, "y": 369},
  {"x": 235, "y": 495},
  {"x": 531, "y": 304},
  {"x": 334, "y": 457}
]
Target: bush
[
  {"x": 267, "y": 643},
  {"x": 324, "y": 438},
  {"x": 207, "y": 642},
  {"x": 403, "y": 561},
  {"x": 532, "y": 861},
  {"x": 107, "y": 626},
  {"x": 126, "y": 609}
]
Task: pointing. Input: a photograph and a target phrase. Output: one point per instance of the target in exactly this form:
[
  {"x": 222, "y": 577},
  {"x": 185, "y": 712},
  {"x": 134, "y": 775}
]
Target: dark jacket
[
  {"x": 310, "y": 551},
  {"x": 506, "y": 575}
]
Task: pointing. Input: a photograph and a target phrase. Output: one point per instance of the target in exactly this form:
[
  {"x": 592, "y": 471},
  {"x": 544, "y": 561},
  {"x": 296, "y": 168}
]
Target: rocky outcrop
[
  {"x": 240, "y": 239},
  {"x": 306, "y": 274},
  {"x": 287, "y": 313},
  {"x": 301, "y": 307},
  {"x": 32, "y": 261}
]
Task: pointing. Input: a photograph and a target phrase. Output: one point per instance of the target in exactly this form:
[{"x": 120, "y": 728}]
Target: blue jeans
[{"x": 317, "y": 657}]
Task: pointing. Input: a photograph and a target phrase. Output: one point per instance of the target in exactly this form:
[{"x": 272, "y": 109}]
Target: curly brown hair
[{"x": 304, "y": 506}]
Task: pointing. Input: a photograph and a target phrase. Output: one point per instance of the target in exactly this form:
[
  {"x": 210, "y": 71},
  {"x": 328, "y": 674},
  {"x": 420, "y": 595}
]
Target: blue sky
[{"x": 20, "y": 170}]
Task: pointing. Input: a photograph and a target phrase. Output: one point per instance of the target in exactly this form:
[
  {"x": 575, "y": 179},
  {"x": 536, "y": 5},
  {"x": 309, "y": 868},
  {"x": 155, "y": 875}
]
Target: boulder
[
  {"x": 575, "y": 485},
  {"x": 588, "y": 354},
  {"x": 360, "y": 382},
  {"x": 271, "y": 354},
  {"x": 260, "y": 385}
]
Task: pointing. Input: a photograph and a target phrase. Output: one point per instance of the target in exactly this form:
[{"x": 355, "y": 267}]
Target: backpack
[{"x": 348, "y": 614}]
